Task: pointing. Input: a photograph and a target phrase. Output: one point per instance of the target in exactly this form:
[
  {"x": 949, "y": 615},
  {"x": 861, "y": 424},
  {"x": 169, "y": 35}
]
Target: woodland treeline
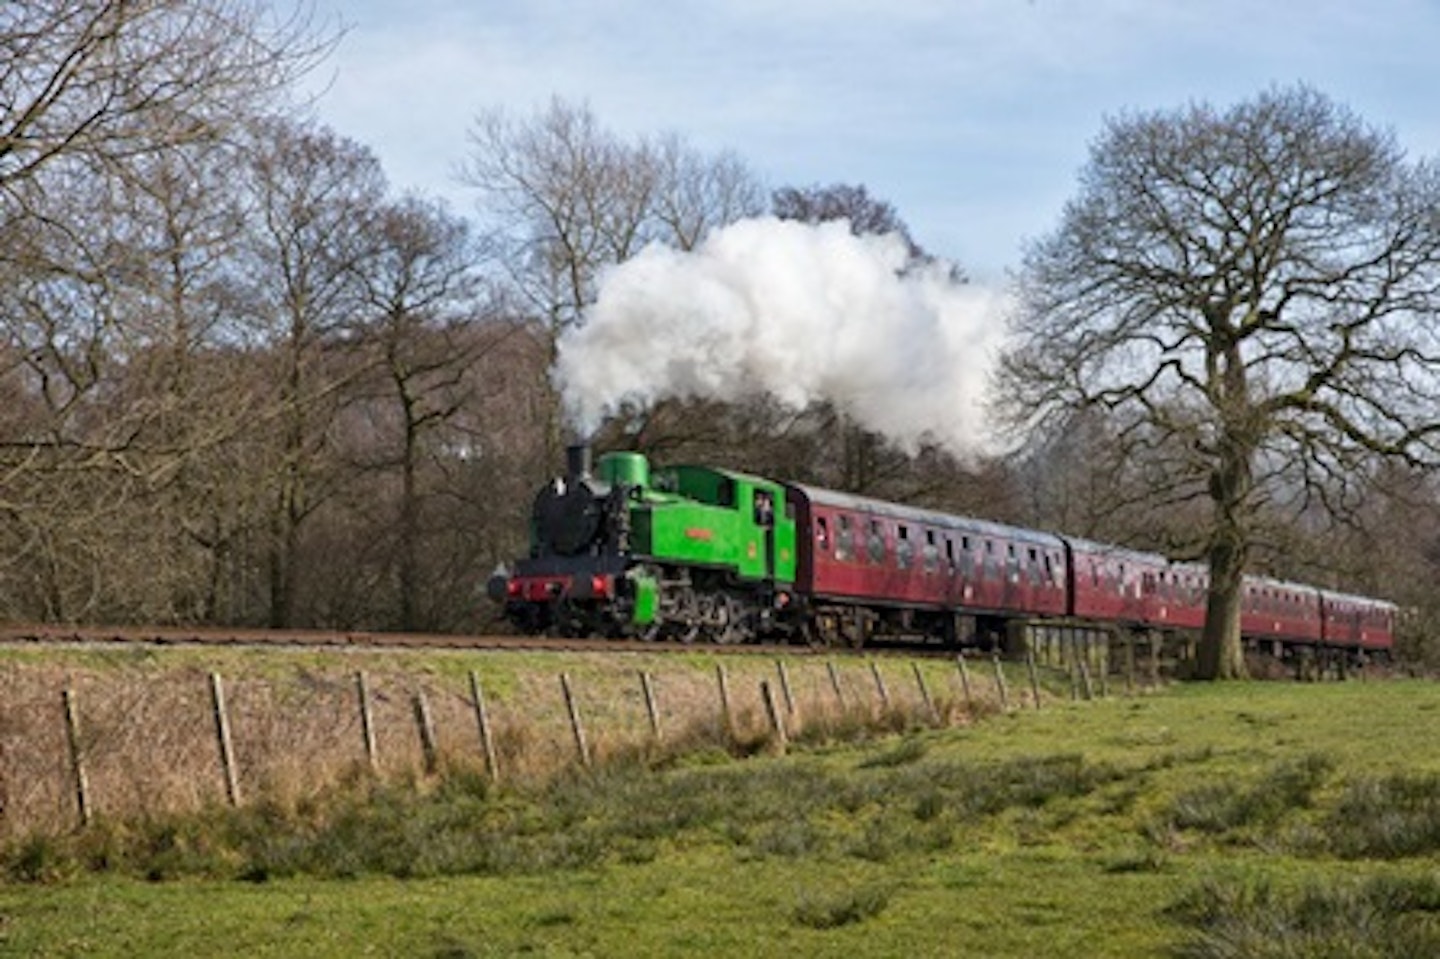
[{"x": 247, "y": 382}]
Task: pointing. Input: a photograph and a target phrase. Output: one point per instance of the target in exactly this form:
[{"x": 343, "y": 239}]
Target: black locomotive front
[{"x": 578, "y": 555}]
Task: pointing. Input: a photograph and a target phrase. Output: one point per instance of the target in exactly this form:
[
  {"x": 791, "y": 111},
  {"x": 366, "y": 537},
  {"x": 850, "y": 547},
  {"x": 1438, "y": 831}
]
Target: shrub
[
  {"x": 1222, "y": 807},
  {"x": 1389, "y": 918},
  {"x": 1386, "y": 817},
  {"x": 40, "y": 859},
  {"x": 908, "y": 751},
  {"x": 831, "y": 910}
]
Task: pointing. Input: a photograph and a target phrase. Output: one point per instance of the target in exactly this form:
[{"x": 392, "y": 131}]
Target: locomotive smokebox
[{"x": 577, "y": 461}]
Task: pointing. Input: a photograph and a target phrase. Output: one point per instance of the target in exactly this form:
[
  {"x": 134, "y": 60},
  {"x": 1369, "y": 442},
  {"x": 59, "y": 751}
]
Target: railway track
[
  {"x": 179, "y": 636},
  {"x": 55, "y": 635}
]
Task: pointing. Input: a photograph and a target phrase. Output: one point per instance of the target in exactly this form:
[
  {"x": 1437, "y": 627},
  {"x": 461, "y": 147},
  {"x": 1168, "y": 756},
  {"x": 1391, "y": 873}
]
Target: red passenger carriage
[
  {"x": 1357, "y": 621},
  {"x": 1274, "y": 609},
  {"x": 914, "y": 568}
]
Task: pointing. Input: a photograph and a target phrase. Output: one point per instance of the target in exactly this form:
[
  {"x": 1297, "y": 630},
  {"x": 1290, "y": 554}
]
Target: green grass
[{"x": 1208, "y": 821}]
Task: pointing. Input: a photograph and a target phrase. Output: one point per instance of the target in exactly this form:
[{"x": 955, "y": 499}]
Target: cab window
[{"x": 764, "y": 509}]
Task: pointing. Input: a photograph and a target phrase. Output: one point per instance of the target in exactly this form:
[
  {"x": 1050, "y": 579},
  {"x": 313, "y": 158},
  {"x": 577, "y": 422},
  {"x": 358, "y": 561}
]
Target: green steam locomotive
[{"x": 690, "y": 553}]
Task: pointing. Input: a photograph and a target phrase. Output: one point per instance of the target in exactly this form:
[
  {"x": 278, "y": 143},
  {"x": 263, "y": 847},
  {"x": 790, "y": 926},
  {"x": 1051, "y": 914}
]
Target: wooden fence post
[
  {"x": 573, "y": 708},
  {"x": 1034, "y": 677},
  {"x": 652, "y": 708},
  {"x": 777, "y": 721},
  {"x": 1130, "y": 662},
  {"x": 1102, "y": 650},
  {"x": 482, "y": 720},
  {"x": 426, "y": 724},
  {"x": 835, "y": 684},
  {"x": 1072, "y": 665},
  {"x": 880, "y": 685},
  {"x": 77, "y": 762},
  {"x": 785, "y": 687},
  {"x": 222, "y": 732},
  {"x": 727, "y": 724},
  {"x": 925, "y": 694},
  {"x": 965, "y": 682},
  {"x": 1000, "y": 684},
  {"x": 367, "y": 719}
]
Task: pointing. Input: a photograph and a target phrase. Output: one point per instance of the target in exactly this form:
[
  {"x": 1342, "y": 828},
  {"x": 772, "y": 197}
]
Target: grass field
[{"x": 1205, "y": 821}]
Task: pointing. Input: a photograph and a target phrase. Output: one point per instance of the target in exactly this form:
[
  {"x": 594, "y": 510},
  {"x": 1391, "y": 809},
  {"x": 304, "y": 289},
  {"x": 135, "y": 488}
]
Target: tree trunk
[
  {"x": 1222, "y": 654},
  {"x": 285, "y": 521},
  {"x": 409, "y": 559},
  {"x": 278, "y": 563}
]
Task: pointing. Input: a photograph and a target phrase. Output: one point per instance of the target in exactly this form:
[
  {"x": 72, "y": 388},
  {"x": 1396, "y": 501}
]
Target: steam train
[{"x": 697, "y": 553}]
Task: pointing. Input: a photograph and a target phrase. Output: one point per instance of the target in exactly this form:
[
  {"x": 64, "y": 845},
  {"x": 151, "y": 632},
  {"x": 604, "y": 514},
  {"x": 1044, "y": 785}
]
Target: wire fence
[{"x": 80, "y": 745}]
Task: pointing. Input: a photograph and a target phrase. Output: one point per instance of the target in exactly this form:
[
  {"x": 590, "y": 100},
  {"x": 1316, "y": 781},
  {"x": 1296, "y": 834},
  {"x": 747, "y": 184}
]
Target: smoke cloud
[{"x": 805, "y": 312}]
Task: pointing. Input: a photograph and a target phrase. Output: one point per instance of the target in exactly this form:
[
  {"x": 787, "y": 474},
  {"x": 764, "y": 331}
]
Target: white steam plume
[{"x": 805, "y": 312}]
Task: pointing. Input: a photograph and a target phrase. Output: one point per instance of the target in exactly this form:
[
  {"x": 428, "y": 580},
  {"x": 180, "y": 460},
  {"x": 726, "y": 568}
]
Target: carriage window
[
  {"x": 875, "y": 543},
  {"x": 822, "y": 533},
  {"x": 1012, "y": 564},
  {"x": 932, "y": 552},
  {"x": 903, "y": 549},
  {"x": 950, "y": 554},
  {"x": 845, "y": 540}
]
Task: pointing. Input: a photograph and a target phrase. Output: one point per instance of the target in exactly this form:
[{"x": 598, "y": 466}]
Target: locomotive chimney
[{"x": 577, "y": 461}]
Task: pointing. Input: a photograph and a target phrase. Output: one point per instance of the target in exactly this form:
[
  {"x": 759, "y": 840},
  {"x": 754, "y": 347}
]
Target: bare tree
[
  {"x": 315, "y": 195},
  {"x": 422, "y": 290},
  {"x": 1253, "y": 292},
  {"x": 699, "y": 193},
  {"x": 843, "y": 201},
  {"x": 564, "y": 197},
  {"x": 102, "y": 81},
  {"x": 110, "y": 110}
]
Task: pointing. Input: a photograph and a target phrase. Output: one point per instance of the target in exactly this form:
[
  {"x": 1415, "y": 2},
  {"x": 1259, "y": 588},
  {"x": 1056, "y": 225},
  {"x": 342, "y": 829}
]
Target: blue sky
[{"x": 972, "y": 117}]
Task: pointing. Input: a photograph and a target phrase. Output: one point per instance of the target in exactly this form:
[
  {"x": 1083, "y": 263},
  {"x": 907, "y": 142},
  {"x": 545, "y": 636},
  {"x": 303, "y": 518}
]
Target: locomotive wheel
[{"x": 729, "y": 621}]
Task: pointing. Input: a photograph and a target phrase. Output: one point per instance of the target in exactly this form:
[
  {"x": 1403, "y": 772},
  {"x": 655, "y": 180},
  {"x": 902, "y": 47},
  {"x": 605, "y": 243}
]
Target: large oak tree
[{"x": 1250, "y": 295}]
